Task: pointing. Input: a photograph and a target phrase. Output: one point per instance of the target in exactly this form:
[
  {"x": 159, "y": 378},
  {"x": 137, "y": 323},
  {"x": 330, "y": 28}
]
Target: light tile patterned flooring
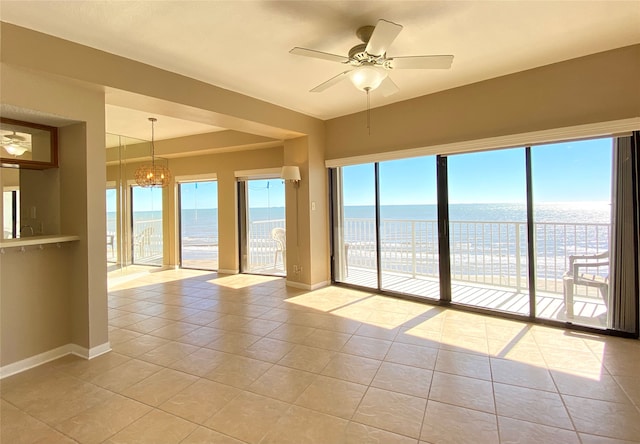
[{"x": 203, "y": 358}]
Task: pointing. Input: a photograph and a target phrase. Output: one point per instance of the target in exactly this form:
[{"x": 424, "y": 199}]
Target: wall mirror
[
  {"x": 28, "y": 145},
  {"x": 29, "y": 179}
]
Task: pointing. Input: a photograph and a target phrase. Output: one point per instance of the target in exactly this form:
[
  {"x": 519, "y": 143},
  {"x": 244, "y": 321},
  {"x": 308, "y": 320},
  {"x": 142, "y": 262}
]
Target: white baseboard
[
  {"x": 307, "y": 286},
  {"x": 99, "y": 350},
  {"x": 223, "y": 271},
  {"x": 90, "y": 353},
  {"x": 34, "y": 361},
  {"x": 52, "y": 355}
]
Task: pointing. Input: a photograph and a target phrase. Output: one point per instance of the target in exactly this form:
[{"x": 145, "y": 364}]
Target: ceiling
[{"x": 244, "y": 46}]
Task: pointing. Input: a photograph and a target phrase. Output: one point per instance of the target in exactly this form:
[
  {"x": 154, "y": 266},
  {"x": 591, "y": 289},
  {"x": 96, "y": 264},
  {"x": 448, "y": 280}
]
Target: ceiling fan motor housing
[
  {"x": 364, "y": 33},
  {"x": 359, "y": 56},
  {"x": 358, "y": 53}
]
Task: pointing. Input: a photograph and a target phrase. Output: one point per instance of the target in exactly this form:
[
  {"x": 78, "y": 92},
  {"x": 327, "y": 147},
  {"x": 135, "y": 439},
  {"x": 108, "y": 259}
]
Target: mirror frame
[{"x": 13, "y": 162}]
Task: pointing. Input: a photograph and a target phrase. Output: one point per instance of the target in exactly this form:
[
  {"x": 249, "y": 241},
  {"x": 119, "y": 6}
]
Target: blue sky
[
  {"x": 266, "y": 193},
  {"x": 199, "y": 195},
  {"x": 262, "y": 194},
  {"x": 564, "y": 172}
]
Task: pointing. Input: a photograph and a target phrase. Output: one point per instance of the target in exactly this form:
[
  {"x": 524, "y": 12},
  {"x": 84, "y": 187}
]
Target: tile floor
[{"x": 201, "y": 358}]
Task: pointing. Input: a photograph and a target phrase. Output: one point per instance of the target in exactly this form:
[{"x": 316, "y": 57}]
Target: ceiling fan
[
  {"x": 15, "y": 144},
  {"x": 369, "y": 64}
]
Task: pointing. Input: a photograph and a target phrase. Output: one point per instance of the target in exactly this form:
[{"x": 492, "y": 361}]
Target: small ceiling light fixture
[
  {"x": 368, "y": 77},
  {"x": 291, "y": 174},
  {"x": 15, "y": 149},
  {"x": 15, "y": 145},
  {"x": 155, "y": 174}
]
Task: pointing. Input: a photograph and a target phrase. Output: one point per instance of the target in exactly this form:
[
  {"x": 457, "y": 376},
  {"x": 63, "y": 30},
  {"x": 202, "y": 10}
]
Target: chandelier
[{"x": 154, "y": 174}]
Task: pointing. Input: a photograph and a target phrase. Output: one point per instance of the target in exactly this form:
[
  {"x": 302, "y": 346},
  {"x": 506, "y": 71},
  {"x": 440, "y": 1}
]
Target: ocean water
[
  {"x": 203, "y": 223},
  {"x": 485, "y": 239},
  {"x": 197, "y": 224},
  {"x": 560, "y": 212}
]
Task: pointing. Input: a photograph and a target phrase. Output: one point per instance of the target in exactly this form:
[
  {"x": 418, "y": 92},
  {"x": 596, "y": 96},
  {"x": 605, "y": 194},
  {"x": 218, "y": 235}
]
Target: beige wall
[
  {"x": 307, "y": 213},
  {"x": 199, "y": 144},
  {"x": 82, "y": 210},
  {"x": 597, "y": 88},
  {"x": 78, "y": 301},
  {"x": 34, "y": 312},
  {"x": 10, "y": 178}
]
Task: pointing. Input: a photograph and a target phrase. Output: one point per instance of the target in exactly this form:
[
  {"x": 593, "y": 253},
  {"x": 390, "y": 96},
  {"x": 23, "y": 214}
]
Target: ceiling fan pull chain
[{"x": 368, "y": 111}]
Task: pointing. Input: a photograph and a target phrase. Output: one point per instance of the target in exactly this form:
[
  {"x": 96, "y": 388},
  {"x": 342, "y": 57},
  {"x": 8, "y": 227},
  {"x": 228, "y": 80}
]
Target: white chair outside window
[
  {"x": 279, "y": 235},
  {"x": 580, "y": 272}
]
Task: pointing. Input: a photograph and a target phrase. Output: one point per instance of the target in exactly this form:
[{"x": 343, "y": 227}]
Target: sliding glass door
[
  {"x": 355, "y": 232},
  {"x": 263, "y": 232},
  {"x": 11, "y": 213},
  {"x": 112, "y": 225},
  {"x": 409, "y": 227},
  {"x": 488, "y": 230},
  {"x": 146, "y": 226},
  {"x": 198, "y": 203},
  {"x": 572, "y": 197},
  {"x": 385, "y": 232},
  {"x": 525, "y": 231}
]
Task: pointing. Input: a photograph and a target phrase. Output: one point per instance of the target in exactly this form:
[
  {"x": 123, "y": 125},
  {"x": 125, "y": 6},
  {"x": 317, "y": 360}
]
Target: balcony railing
[
  {"x": 263, "y": 248},
  {"x": 492, "y": 253},
  {"x": 147, "y": 242}
]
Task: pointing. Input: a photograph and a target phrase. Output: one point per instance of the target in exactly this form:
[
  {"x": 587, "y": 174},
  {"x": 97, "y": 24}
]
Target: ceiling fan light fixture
[
  {"x": 14, "y": 149},
  {"x": 367, "y": 77}
]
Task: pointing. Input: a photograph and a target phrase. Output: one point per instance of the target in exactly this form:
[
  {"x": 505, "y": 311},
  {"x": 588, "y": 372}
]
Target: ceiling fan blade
[
  {"x": 383, "y": 35},
  {"x": 319, "y": 55},
  {"x": 422, "y": 62},
  {"x": 332, "y": 81},
  {"x": 388, "y": 87}
]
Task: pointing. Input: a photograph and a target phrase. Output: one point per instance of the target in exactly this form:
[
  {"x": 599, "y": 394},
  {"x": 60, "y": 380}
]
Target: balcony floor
[{"x": 587, "y": 311}]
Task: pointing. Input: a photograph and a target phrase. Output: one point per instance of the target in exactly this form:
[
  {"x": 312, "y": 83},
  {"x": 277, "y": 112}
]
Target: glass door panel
[
  {"x": 146, "y": 229},
  {"x": 572, "y": 215},
  {"x": 112, "y": 225},
  {"x": 355, "y": 241},
  {"x": 199, "y": 225},
  {"x": 409, "y": 227},
  {"x": 265, "y": 237},
  {"x": 11, "y": 214},
  {"x": 488, "y": 230}
]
